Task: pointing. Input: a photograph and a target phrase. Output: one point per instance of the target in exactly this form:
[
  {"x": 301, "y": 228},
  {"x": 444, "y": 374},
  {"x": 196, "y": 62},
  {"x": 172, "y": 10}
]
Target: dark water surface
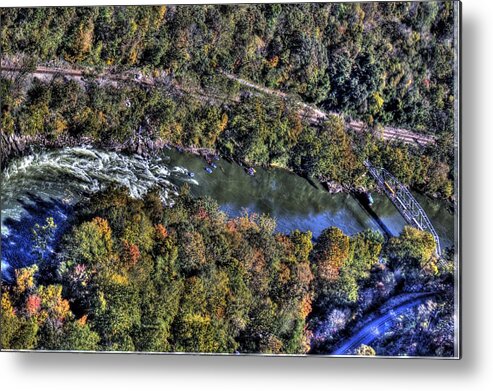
[
  {"x": 298, "y": 204},
  {"x": 50, "y": 184}
]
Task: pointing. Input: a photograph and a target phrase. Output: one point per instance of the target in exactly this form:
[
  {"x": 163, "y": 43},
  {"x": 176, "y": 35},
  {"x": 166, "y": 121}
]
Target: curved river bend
[{"x": 50, "y": 184}]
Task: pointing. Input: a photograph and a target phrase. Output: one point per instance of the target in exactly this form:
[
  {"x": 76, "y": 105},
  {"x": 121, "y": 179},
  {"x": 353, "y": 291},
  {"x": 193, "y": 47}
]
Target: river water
[{"x": 49, "y": 184}]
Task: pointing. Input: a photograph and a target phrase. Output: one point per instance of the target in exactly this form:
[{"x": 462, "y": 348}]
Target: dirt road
[{"x": 313, "y": 114}]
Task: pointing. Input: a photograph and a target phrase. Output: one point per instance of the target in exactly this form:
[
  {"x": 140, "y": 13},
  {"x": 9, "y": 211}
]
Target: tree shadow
[
  {"x": 17, "y": 245},
  {"x": 363, "y": 201}
]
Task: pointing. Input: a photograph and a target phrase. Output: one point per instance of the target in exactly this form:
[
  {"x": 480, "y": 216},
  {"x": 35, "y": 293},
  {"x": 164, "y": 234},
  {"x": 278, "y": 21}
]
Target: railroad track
[{"x": 313, "y": 114}]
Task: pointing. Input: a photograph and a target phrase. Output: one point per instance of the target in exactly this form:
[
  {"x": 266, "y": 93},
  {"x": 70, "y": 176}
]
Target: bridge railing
[{"x": 404, "y": 201}]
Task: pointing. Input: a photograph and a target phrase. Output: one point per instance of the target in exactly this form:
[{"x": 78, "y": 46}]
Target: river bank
[
  {"x": 50, "y": 183},
  {"x": 335, "y": 141},
  {"x": 14, "y": 146}
]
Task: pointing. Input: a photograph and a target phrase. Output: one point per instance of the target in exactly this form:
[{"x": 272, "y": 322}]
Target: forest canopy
[
  {"x": 256, "y": 130},
  {"x": 133, "y": 275},
  {"x": 384, "y": 62}
]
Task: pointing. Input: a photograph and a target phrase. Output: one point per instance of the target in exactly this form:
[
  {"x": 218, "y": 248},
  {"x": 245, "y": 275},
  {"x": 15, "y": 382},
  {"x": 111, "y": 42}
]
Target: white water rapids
[
  {"x": 51, "y": 183},
  {"x": 85, "y": 171}
]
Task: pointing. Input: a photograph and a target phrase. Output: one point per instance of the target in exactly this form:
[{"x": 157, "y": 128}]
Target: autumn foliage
[
  {"x": 332, "y": 251},
  {"x": 191, "y": 280},
  {"x": 135, "y": 275}
]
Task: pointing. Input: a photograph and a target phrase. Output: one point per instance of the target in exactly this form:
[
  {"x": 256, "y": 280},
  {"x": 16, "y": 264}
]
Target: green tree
[
  {"x": 331, "y": 251},
  {"x": 413, "y": 249},
  {"x": 364, "y": 350}
]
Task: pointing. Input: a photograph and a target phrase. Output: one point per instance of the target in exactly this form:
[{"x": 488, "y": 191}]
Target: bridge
[{"x": 404, "y": 201}]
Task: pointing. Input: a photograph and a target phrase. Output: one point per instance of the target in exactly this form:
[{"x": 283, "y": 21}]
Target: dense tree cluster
[
  {"x": 107, "y": 113},
  {"x": 382, "y": 62},
  {"x": 257, "y": 130},
  {"x": 133, "y": 275},
  {"x": 355, "y": 275}
]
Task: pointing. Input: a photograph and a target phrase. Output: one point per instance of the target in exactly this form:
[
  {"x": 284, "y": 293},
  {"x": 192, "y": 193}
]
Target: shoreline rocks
[{"x": 14, "y": 146}]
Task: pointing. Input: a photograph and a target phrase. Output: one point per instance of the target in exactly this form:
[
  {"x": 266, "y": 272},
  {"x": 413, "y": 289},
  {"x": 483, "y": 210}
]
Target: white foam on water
[
  {"x": 5, "y": 268},
  {"x": 83, "y": 169},
  {"x": 70, "y": 174}
]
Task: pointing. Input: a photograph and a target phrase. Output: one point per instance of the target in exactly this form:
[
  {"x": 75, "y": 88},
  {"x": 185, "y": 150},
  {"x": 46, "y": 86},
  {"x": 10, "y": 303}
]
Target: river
[{"x": 51, "y": 183}]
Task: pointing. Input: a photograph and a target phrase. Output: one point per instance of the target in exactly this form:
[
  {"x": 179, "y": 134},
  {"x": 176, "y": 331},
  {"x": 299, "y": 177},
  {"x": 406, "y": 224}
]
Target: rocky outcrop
[{"x": 13, "y": 146}]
